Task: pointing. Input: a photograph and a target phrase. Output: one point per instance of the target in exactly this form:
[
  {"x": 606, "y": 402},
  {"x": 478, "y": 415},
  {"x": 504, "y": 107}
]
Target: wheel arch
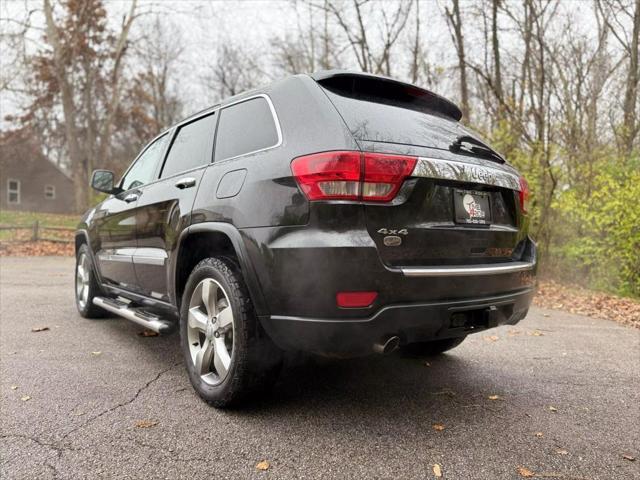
[
  {"x": 82, "y": 238},
  {"x": 209, "y": 239}
]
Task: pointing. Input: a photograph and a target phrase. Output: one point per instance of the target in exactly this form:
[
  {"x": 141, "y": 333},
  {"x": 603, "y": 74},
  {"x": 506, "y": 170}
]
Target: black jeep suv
[{"x": 337, "y": 213}]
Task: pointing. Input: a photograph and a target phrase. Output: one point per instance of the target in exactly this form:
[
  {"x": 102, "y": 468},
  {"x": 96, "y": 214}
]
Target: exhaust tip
[{"x": 388, "y": 346}]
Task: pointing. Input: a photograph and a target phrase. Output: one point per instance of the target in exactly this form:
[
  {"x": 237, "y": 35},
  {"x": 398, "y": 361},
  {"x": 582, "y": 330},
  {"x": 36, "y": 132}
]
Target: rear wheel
[
  {"x": 227, "y": 355},
  {"x": 434, "y": 347},
  {"x": 86, "y": 285}
]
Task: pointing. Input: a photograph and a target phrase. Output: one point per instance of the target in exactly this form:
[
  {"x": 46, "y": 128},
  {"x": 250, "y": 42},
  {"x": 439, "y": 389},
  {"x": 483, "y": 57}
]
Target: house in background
[{"x": 28, "y": 181}]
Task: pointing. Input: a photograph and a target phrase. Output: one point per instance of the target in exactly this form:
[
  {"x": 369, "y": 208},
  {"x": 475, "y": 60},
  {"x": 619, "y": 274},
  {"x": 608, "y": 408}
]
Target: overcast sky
[{"x": 205, "y": 25}]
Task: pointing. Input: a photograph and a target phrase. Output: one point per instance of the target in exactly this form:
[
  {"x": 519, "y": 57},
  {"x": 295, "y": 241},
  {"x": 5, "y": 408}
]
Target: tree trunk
[
  {"x": 455, "y": 20},
  {"x": 495, "y": 45},
  {"x": 78, "y": 170},
  {"x": 630, "y": 129}
]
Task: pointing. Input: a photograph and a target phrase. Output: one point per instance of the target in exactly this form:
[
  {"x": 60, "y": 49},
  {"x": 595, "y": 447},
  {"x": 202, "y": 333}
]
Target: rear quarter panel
[{"x": 269, "y": 195}]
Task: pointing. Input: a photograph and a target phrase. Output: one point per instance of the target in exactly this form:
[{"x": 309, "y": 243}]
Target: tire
[
  {"x": 86, "y": 285},
  {"x": 227, "y": 355},
  {"x": 432, "y": 348}
]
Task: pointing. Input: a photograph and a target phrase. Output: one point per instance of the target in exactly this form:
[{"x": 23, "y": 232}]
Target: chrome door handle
[
  {"x": 132, "y": 197},
  {"x": 186, "y": 182}
]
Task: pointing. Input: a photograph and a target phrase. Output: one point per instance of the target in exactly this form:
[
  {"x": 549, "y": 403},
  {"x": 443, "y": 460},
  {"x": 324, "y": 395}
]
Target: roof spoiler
[{"x": 386, "y": 90}]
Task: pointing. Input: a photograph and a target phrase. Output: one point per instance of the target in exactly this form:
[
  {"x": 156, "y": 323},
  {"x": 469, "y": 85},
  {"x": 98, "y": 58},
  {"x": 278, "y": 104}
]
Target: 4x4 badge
[{"x": 388, "y": 231}]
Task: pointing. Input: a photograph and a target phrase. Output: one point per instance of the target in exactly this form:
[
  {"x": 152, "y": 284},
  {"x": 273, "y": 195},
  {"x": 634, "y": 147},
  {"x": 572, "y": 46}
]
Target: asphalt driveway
[{"x": 557, "y": 396}]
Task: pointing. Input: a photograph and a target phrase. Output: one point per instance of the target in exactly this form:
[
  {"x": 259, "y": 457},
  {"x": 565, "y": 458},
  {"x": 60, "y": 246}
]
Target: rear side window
[
  {"x": 245, "y": 127},
  {"x": 192, "y": 146}
]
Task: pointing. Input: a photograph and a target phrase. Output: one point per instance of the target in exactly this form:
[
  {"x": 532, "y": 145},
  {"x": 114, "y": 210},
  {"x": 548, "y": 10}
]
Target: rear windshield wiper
[{"x": 469, "y": 145}]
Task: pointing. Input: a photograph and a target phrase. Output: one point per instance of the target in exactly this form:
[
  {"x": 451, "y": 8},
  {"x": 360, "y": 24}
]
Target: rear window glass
[
  {"x": 244, "y": 128},
  {"x": 192, "y": 146},
  {"x": 383, "y": 122}
]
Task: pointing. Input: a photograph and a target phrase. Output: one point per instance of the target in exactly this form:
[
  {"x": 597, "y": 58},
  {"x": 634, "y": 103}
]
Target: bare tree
[
  {"x": 454, "y": 20},
  {"x": 311, "y": 45},
  {"x": 235, "y": 71},
  {"x": 353, "y": 23},
  {"x": 74, "y": 41},
  {"x": 614, "y": 14}
]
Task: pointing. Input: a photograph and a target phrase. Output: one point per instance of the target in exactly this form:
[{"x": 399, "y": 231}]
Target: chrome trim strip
[
  {"x": 106, "y": 257},
  {"x": 465, "y": 172},
  {"x": 149, "y": 256},
  {"x": 145, "y": 260},
  {"x": 496, "y": 269}
]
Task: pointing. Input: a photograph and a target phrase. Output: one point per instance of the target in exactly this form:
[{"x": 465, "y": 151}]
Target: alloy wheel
[
  {"x": 83, "y": 278},
  {"x": 210, "y": 331}
]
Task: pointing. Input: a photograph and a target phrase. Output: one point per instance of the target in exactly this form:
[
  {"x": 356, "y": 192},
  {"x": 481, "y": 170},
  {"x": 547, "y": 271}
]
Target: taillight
[
  {"x": 524, "y": 195},
  {"x": 371, "y": 177}
]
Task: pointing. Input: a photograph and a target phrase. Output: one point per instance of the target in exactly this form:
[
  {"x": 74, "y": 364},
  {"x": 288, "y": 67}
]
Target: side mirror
[{"x": 102, "y": 181}]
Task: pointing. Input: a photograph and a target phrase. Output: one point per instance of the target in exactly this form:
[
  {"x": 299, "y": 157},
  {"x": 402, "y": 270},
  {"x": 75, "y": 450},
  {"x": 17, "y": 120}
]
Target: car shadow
[
  {"x": 448, "y": 387},
  {"x": 386, "y": 394}
]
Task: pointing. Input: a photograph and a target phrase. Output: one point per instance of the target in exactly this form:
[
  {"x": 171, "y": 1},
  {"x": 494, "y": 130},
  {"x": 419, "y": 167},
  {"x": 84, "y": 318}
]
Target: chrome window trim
[
  {"x": 465, "y": 172},
  {"x": 456, "y": 271},
  {"x": 170, "y": 132},
  {"x": 276, "y": 121},
  {"x": 176, "y": 130}
]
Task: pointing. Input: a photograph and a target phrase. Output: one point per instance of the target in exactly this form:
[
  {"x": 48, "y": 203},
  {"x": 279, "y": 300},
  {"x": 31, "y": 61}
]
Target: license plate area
[{"x": 472, "y": 207}]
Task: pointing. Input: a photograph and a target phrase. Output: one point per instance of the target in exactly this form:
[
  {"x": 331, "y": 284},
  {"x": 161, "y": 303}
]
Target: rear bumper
[{"x": 411, "y": 322}]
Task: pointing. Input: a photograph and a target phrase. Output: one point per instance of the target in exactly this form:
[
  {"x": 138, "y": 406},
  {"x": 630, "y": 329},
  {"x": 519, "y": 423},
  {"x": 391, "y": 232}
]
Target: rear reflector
[
  {"x": 524, "y": 195},
  {"x": 355, "y": 299},
  {"x": 348, "y": 175}
]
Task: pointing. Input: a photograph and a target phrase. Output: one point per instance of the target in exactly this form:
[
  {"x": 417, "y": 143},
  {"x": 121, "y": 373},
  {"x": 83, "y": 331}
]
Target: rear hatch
[{"x": 460, "y": 206}]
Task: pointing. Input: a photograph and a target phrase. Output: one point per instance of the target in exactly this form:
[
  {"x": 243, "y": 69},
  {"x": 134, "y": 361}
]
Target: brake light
[
  {"x": 524, "y": 195},
  {"x": 348, "y": 175}
]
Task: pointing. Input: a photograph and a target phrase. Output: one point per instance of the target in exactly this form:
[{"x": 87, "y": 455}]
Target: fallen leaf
[
  {"x": 26, "y": 398},
  {"x": 494, "y": 397},
  {"x": 438, "y": 427},
  {"x": 146, "y": 423},
  {"x": 539, "y": 434},
  {"x": 536, "y": 333},
  {"x": 492, "y": 338},
  {"x": 525, "y": 472},
  {"x": 96, "y": 353},
  {"x": 39, "y": 329},
  {"x": 552, "y": 409},
  {"x": 562, "y": 451},
  {"x": 437, "y": 470},
  {"x": 14, "y": 387},
  {"x": 148, "y": 333},
  {"x": 587, "y": 302},
  {"x": 263, "y": 465},
  {"x": 629, "y": 457}
]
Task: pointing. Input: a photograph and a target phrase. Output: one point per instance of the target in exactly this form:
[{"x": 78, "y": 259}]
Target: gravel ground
[{"x": 568, "y": 401}]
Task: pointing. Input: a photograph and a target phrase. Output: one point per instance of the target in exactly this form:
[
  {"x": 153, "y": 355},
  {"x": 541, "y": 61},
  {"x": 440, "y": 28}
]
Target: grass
[
  {"x": 27, "y": 219},
  {"x": 46, "y": 219}
]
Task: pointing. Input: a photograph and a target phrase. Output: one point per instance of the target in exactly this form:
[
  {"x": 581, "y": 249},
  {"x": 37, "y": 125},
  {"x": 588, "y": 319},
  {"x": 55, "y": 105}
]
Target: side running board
[{"x": 140, "y": 317}]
